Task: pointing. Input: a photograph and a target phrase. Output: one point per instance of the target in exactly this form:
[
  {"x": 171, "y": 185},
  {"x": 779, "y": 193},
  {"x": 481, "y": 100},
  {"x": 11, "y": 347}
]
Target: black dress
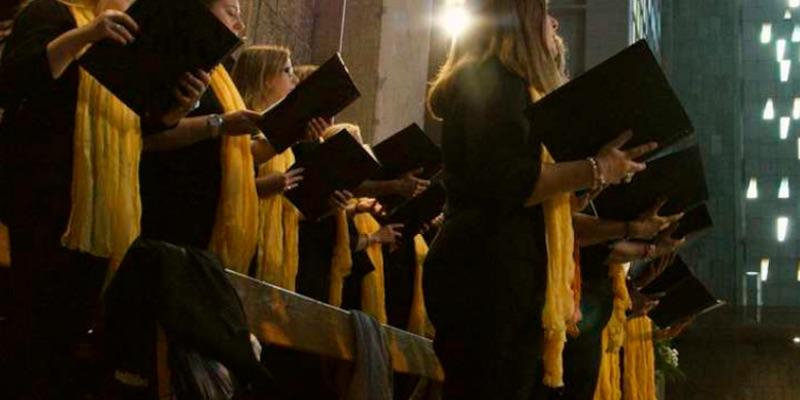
[
  {"x": 485, "y": 275},
  {"x": 54, "y": 289},
  {"x": 180, "y": 188},
  {"x": 583, "y": 354}
]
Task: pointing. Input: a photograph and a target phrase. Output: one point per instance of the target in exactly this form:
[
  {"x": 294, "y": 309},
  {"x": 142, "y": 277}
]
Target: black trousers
[{"x": 54, "y": 299}]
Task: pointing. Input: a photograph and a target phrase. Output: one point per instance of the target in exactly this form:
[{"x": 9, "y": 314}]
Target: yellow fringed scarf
[
  {"x": 608, "y": 378},
  {"x": 559, "y": 305},
  {"x": 5, "y": 247},
  {"x": 278, "y": 231},
  {"x": 342, "y": 262},
  {"x": 639, "y": 379},
  {"x": 233, "y": 239},
  {"x": 106, "y": 208},
  {"x": 373, "y": 293},
  {"x": 608, "y": 383},
  {"x": 418, "y": 321}
]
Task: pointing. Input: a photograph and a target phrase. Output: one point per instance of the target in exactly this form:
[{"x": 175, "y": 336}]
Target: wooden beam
[{"x": 283, "y": 318}]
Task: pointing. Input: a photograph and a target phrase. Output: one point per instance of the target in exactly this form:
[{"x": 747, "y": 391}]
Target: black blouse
[{"x": 180, "y": 188}]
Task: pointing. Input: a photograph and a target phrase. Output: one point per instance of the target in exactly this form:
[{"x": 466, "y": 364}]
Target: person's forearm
[
  {"x": 269, "y": 185},
  {"x": 262, "y": 150},
  {"x": 566, "y": 177},
  {"x": 63, "y": 50},
  {"x": 590, "y": 230},
  {"x": 188, "y": 132},
  {"x": 624, "y": 252}
]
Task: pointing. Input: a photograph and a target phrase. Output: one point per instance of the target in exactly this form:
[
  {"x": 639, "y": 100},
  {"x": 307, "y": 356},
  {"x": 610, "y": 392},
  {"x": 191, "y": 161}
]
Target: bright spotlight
[{"x": 456, "y": 19}]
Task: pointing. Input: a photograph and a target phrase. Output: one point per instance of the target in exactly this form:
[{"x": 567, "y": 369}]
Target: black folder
[
  {"x": 672, "y": 276},
  {"x": 678, "y": 177},
  {"x": 340, "y": 163},
  {"x": 419, "y": 210},
  {"x": 627, "y": 91},
  {"x": 694, "y": 223},
  {"x": 408, "y": 150},
  {"x": 690, "y": 298},
  {"x": 322, "y": 95},
  {"x": 175, "y": 37}
]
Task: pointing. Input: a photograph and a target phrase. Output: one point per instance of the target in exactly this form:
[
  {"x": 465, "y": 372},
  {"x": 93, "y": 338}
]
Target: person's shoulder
[
  {"x": 491, "y": 80},
  {"x": 38, "y": 12}
]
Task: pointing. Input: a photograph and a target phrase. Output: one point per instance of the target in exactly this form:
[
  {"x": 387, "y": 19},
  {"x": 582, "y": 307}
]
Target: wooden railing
[{"x": 283, "y": 318}]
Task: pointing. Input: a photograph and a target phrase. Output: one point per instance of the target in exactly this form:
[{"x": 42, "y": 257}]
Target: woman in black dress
[
  {"x": 486, "y": 271},
  {"x": 54, "y": 287}
]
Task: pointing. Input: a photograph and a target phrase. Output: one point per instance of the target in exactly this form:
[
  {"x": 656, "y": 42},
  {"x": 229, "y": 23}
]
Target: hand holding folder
[
  {"x": 678, "y": 178},
  {"x": 174, "y": 37},
  {"x": 339, "y": 163},
  {"x": 418, "y": 211},
  {"x": 322, "y": 95},
  {"x": 629, "y": 91},
  {"x": 408, "y": 150},
  {"x": 683, "y": 295}
]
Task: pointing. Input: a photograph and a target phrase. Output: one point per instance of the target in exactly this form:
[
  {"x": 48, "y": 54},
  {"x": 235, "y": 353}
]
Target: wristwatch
[{"x": 214, "y": 123}]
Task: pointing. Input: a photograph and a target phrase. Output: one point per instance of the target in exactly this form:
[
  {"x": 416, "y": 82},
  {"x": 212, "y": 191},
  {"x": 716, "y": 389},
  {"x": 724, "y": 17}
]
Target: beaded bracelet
[{"x": 598, "y": 180}]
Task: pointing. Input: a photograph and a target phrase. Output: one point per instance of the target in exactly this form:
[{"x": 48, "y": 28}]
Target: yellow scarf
[
  {"x": 608, "y": 383},
  {"x": 639, "y": 379},
  {"x": 608, "y": 379},
  {"x": 233, "y": 239},
  {"x": 342, "y": 262},
  {"x": 278, "y": 231},
  {"x": 373, "y": 293},
  {"x": 5, "y": 247},
  {"x": 418, "y": 321},
  {"x": 106, "y": 209},
  {"x": 559, "y": 304}
]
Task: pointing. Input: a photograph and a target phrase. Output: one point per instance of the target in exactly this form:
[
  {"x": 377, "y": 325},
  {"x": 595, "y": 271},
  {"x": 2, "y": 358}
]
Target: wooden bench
[{"x": 283, "y": 318}]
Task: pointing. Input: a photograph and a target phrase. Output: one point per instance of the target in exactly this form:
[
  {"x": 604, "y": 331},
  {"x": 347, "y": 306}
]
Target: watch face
[{"x": 215, "y": 120}]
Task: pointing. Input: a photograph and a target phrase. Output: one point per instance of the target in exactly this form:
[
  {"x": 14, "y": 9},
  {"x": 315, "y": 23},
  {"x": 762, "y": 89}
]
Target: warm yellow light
[{"x": 456, "y": 18}]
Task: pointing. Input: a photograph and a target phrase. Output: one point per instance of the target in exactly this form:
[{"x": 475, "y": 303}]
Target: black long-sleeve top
[
  {"x": 490, "y": 242},
  {"x": 36, "y": 134}
]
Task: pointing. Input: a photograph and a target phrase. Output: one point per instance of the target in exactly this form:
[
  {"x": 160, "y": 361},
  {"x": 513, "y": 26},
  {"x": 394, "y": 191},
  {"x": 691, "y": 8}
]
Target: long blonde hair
[
  {"x": 511, "y": 30},
  {"x": 256, "y": 66}
]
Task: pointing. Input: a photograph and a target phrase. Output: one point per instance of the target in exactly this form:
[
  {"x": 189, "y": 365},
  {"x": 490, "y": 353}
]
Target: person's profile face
[{"x": 229, "y": 12}]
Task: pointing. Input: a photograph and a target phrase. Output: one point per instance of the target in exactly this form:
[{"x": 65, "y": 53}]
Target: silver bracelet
[{"x": 598, "y": 180}]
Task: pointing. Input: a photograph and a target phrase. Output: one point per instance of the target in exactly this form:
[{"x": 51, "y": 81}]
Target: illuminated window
[
  {"x": 787, "y": 15},
  {"x": 780, "y": 49},
  {"x": 785, "y": 123},
  {"x": 766, "y": 33},
  {"x": 783, "y": 227},
  {"x": 769, "y": 110},
  {"x": 783, "y": 191},
  {"x": 786, "y": 68},
  {"x": 764, "y": 269},
  {"x": 796, "y": 34},
  {"x": 798, "y": 271},
  {"x": 796, "y": 108},
  {"x": 752, "y": 189}
]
